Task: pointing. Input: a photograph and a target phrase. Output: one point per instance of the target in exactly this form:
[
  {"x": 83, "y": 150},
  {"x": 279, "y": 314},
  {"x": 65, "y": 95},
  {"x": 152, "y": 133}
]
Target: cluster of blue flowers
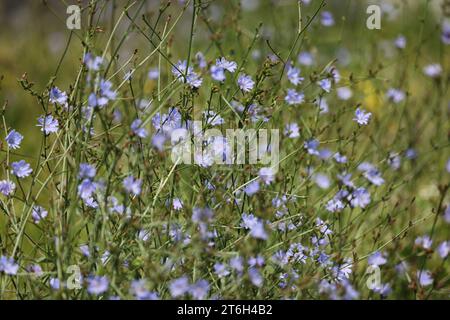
[{"x": 350, "y": 191}]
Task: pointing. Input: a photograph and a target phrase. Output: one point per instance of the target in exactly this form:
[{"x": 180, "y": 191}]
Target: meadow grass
[{"x": 357, "y": 207}]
